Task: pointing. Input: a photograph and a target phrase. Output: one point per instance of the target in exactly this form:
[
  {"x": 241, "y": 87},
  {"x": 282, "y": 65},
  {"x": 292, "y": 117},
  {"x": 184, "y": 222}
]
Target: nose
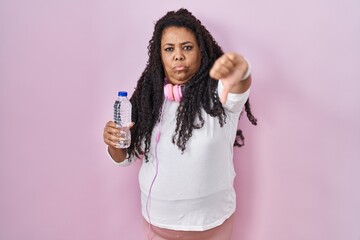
[{"x": 179, "y": 56}]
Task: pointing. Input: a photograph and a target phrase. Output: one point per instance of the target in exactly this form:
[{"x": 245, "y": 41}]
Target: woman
[{"x": 186, "y": 178}]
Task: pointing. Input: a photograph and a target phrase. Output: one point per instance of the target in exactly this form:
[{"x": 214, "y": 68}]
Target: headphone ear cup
[{"x": 168, "y": 92}]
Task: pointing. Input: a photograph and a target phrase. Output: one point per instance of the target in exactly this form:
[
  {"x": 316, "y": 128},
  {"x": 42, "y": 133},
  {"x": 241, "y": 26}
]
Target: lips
[{"x": 179, "y": 67}]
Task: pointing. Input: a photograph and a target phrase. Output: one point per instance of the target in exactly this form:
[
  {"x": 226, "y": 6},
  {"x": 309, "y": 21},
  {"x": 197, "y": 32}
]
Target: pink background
[{"x": 62, "y": 63}]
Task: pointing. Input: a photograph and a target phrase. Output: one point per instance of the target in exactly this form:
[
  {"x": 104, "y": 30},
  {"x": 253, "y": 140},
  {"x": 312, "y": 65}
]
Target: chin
[{"x": 180, "y": 81}]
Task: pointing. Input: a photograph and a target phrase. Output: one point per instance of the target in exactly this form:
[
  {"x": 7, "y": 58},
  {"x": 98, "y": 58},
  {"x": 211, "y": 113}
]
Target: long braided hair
[{"x": 201, "y": 90}]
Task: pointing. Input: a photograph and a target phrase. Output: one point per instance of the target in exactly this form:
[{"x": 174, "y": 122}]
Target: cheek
[
  {"x": 166, "y": 62},
  {"x": 197, "y": 63}
]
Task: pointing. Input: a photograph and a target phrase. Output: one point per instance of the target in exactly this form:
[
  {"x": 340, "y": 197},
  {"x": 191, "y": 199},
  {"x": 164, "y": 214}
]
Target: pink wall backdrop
[{"x": 62, "y": 63}]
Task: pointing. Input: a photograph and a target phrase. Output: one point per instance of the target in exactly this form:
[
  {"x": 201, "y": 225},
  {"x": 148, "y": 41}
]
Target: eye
[
  {"x": 188, "y": 48},
  {"x": 168, "y": 49}
]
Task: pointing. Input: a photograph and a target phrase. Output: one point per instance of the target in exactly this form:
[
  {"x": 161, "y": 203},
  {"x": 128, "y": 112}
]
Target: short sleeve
[{"x": 235, "y": 101}]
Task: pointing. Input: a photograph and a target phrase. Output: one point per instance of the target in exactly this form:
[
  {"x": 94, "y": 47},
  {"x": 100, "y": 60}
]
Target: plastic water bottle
[{"x": 122, "y": 117}]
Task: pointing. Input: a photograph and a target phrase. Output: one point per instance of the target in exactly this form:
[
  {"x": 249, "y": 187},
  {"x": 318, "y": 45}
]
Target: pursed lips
[{"x": 179, "y": 67}]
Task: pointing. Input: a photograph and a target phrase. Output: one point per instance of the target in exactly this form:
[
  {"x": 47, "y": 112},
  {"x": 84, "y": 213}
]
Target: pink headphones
[{"x": 173, "y": 92}]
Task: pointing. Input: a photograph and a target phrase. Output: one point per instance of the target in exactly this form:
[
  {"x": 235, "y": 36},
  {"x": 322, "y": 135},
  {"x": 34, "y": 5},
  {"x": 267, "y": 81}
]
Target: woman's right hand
[
  {"x": 111, "y": 134},
  {"x": 111, "y": 137}
]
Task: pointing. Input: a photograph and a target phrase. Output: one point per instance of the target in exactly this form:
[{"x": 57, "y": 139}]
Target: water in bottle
[{"x": 122, "y": 117}]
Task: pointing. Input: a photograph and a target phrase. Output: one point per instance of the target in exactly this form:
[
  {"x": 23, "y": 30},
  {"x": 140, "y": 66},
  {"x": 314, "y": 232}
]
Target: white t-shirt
[{"x": 192, "y": 191}]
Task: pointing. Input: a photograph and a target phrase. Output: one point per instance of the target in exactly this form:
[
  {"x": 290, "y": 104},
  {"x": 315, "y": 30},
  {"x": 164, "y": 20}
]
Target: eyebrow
[{"x": 184, "y": 43}]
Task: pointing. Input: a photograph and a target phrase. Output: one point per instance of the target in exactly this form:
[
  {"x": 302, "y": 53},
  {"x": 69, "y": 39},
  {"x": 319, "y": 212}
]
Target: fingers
[
  {"x": 224, "y": 66},
  {"x": 111, "y": 133}
]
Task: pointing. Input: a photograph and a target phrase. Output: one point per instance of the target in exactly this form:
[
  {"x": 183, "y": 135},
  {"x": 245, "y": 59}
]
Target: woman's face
[{"x": 180, "y": 54}]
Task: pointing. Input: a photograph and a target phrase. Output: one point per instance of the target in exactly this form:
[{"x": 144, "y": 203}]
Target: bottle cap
[{"x": 122, "y": 94}]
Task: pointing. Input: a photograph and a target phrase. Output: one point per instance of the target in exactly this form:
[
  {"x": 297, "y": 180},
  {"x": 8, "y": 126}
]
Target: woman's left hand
[{"x": 230, "y": 68}]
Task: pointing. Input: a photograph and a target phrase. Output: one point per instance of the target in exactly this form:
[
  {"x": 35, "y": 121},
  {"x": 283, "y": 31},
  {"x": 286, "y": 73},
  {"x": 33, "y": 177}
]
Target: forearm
[
  {"x": 117, "y": 154},
  {"x": 242, "y": 86}
]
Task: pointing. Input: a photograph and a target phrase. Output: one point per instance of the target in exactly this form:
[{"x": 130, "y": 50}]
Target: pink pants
[{"x": 222, "y": 232}]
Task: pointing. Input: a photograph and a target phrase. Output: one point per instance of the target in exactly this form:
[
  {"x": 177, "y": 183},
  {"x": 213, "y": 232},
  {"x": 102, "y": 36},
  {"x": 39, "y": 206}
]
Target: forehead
[{"x": 175, "y": 34}]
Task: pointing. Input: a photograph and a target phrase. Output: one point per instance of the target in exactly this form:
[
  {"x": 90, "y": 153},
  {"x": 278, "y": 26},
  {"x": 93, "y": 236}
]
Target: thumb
[
  {"x": 130, "y": 125},
  {"x": 224, "y": 94}
]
